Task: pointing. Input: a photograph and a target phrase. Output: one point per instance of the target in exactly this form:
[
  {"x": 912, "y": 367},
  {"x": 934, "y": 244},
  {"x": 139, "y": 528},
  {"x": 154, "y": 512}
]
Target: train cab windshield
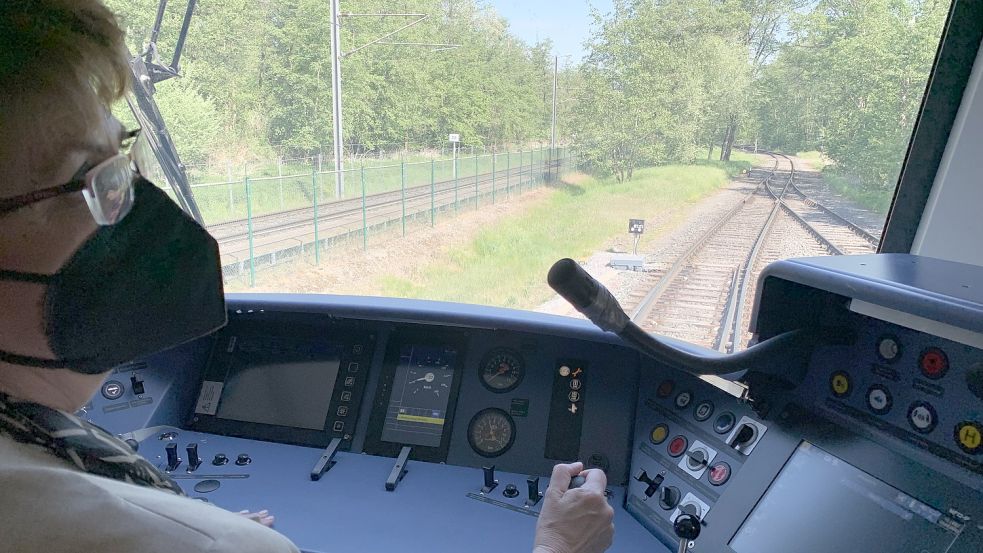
[
  {"x": 491, "y": 275},
  {"x": 481, "y": 141}
]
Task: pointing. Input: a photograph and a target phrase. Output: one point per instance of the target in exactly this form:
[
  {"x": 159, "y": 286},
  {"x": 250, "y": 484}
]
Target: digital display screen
[
  {"x": 279, "y": 382},
  {"x": 821, "y": 504},
  {"x": 422, "y": 385}
]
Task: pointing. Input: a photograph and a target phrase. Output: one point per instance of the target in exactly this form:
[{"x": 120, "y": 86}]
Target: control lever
[
  {"x": 194, "y": 461},
  {"x": 687, "y": 529},
  {"x": 172, "y": 459},
  {"x": 490, "y": 482},
  {"x": 576, "y": 482},
  {"x": 532, "y": 485},
  {"x": 399, "y": 469},
  {"x": 653, "y": 483},
  {"x": 779, "y": 356},
  {"x": 326, "y": 461}
]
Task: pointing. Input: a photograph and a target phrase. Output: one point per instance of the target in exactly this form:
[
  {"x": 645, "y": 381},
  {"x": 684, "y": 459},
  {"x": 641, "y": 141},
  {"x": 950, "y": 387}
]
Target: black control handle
[
  {"x": 172, "y": 459},
  {"x": 591, "y": 298}
]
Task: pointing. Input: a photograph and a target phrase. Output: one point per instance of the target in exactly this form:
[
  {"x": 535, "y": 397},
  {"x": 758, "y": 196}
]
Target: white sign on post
[{"x": 454, "y": 137}]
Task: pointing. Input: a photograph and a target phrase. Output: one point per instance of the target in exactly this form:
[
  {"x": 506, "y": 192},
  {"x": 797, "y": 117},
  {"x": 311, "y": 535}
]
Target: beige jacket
[{"x": 48, "y": 506}]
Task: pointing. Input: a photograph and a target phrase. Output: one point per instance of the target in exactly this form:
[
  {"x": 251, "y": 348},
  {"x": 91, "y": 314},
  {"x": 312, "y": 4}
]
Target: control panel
[
  {"x": 691, "y": 440},
  {"x": 397, "y": 420},
  {"x": 908, "y": 389}
]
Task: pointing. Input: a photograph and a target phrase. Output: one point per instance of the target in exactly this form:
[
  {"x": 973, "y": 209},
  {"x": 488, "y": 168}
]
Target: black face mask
[{"x": 147, "y": 283}]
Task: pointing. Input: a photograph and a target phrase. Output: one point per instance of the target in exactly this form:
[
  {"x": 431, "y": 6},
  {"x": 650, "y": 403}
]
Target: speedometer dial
[
  {"x": 491, "y": 432},
  {"x": 501, "y": 370}
]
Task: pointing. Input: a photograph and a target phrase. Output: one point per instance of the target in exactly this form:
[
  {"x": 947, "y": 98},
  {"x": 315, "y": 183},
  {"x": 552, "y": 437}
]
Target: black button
[
  {"x": 112, "y": 389},
  {"x": 220, "y": 459},
  {"x": 724, "y": 423},
  {"x": 510, "y": 490},
  {"x": 243, "y": 459}
]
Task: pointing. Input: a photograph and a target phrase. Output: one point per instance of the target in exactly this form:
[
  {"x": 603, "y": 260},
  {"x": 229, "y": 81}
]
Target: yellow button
[
  {"x": 840, "y": 383},
  {"x": 659, "y": 434},
  {"x": 970, "y": 437}
]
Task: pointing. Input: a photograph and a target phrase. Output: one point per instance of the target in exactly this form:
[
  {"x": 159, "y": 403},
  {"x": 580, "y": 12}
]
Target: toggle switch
[
  {"x": 532, "y": 485},
  {"x": 490, "y": 482},
  {"x": 136, "y": 385},
  {"x": 194, "y": 461},
  {"x": 653, "y": 483},
  {"x": 669, "y": 497},
  {"x": 172, "y": 459}
]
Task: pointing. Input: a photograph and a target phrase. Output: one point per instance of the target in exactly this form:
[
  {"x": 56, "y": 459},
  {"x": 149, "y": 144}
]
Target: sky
[{"x": 565, "y": 22}]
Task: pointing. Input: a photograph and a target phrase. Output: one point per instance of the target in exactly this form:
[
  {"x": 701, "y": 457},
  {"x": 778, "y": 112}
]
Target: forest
[{"x": 662, "y": 81}]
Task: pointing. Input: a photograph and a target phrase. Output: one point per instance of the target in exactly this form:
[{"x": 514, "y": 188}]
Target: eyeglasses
[{"x": 107, "y": 187}]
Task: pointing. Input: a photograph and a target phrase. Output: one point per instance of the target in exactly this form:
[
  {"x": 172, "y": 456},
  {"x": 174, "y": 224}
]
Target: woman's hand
[
  {"x": 577, "y": 520},
  {"x": 263, "y": 517}
]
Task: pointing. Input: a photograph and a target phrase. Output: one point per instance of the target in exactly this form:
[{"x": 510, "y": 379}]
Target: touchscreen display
[
  {"x": 422, "y": 385},
  {"x": 821, "y": 504},
  {"x": 274, "y": 381}
]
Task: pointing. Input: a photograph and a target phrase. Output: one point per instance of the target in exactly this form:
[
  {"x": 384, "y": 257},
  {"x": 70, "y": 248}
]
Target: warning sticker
[{"x": 208, "y": 398}]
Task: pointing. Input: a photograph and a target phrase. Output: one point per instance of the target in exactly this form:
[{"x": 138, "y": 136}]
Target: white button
[
  {"x": 683, "y": 399},
  {"x": 878, "y": 399}
]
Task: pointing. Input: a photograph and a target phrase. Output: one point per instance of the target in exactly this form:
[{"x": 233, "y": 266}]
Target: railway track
[
  {"x": 266, "y": 238},
  {"x": 705, "y": 295}
]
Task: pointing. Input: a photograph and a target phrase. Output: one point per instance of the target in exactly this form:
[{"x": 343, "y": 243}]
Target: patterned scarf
[{"x": 86, "y": 446}]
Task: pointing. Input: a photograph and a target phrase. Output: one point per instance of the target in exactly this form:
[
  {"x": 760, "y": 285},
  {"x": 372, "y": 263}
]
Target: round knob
[
  {"x": 220, "y": 459},
  {"x": 687, "y": 527},
  {"x": 243, "y": 459},
  {"x": 510, "y": 490}
]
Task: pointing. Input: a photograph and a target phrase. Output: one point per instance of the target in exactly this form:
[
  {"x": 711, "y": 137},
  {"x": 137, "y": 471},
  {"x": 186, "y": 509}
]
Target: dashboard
[{"x": 384, "y": 424}]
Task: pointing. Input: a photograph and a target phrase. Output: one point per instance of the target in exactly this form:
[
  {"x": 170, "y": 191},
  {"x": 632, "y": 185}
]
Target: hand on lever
[
  {"x": 263, "y": 517},
  {"x": 577, "y": 520}
]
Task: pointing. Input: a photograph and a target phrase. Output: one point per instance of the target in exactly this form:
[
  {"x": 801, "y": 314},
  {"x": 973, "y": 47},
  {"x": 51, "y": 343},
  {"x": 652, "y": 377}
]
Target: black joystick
[{"x": 687, "y": 528}]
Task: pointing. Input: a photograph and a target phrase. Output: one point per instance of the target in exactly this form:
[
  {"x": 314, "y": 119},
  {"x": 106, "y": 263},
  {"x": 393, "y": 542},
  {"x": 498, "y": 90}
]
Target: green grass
[
  {"x": 813, "y": 157},
  {"x": 506, "y": 263},
  {"x": 874, "y": 200},
  {"x": 847, "y": 186},
  {"x": 220, "y": 199}
]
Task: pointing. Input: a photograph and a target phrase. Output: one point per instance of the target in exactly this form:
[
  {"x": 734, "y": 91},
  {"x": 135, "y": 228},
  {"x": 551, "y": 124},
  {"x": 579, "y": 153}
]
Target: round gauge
[
  {"x": 491, "y": 432},
  {"x": 501, "y": 370}
]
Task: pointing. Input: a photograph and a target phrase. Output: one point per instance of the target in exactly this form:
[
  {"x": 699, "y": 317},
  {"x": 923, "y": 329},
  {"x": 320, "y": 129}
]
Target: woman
[{"x": 98, "y": 267}]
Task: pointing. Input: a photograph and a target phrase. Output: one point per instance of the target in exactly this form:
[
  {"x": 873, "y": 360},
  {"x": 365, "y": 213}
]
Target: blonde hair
[{"x": 58, "y": 46}]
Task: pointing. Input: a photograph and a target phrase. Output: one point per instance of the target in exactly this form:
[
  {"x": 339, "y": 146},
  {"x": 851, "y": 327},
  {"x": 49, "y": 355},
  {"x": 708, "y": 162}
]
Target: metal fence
[{"x": 263, "y": 220}]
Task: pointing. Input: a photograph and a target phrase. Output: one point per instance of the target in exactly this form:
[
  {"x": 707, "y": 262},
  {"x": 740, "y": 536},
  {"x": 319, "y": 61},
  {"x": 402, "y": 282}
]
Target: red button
[
  {"x": 933, "y": 363},
  {"x": 665, "y": 388},
  {"x": 677, "y": 446},
  {"x": 719, "y": 473}
]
